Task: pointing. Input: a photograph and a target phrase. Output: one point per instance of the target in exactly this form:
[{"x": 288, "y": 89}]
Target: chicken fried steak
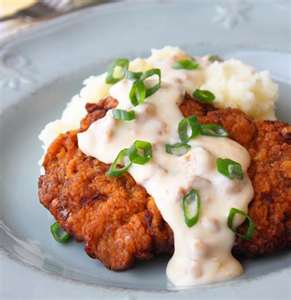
[{"x": 120, "y": 223}]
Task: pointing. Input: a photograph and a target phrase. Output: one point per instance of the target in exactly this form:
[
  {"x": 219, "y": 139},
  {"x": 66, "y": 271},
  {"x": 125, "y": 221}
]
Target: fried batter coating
[{"x": 120, "y": 223}]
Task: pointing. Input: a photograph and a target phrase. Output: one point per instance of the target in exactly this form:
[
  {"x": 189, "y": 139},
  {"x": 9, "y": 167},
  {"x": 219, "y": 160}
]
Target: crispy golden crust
[
  {"x": 120, "y": 223},
  {"x": 270, "y": 173},
  {"x": 115, "y": 217}
]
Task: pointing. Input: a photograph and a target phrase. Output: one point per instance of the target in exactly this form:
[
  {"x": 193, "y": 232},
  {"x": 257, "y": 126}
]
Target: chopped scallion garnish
[
  {"x": 120, "y": 114},
  {"x": 213, "y": 58},
  {"x": 120, "y": 165},
  {"x": 188, "y": 128},
  {"x": 204, "y": 96},
  {"x": 191, "y": 207},
  {"x": 213, "y": 130},
  {"x": 140, "y": 152},
  {"x": 137, "y": 93},
  {"x": 186, "y": 64},
  {"x": 117, "y": 70},
  {"x": 251, "y": 226},
  {"x": 59, "y": 234},
  {"x": 133, "y": 75},
  {"x": 229, "y": 168},
  {"x": 177, "y": 149},
  {"x": 151, "y": 90}
]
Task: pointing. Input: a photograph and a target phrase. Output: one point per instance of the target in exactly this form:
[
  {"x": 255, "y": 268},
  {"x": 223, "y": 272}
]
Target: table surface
[{"x": 12, "y": 26}]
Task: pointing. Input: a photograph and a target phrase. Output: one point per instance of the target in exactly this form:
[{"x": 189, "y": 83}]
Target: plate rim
[{"x": 30, "y": 33}]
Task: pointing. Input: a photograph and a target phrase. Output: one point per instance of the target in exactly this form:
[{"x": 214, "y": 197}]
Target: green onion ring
[
  {"x": 213, "y": 130},
  {"x": 251, "y": 226},
  {"x": 203, "y": 96},
  {"x": 186, "y": 64},
  {"x": 213, "y": 58},
  {"x": 177, "y": 149},
  {"x": 184, "y": 126},
  {"x": 134, "y": 75},
  {"x": 59, "y": 234},
  {"x": 191, "y": 199},
  {"x": 119, "y": 166},
  {"x": 123, "y": 63},
  {"x": 120, "y": 114},
  {"x": 229, "y": 168},
  {"x": 140, "y": 152},
  {"x": 137, "y": 93},
  {"x": 151, "y": 90}
]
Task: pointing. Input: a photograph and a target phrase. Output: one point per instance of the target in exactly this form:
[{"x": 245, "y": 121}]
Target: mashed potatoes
[
  {"x": 233, "y": 83},
  {"x": 237, "y": 85}
]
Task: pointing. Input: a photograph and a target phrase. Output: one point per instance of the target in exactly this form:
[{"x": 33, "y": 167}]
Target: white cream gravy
[{"x": 202, "y": 252}]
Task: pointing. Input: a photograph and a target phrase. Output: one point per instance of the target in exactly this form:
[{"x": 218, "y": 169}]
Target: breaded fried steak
[{"x": 118, "y": 220}]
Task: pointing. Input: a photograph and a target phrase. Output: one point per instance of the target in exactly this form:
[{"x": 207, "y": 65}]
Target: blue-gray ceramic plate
[{"x": 42, "y": 68}]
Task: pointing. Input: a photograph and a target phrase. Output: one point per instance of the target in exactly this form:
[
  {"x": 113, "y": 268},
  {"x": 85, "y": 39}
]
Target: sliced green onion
[
  {"x": 121, "y": 63},
  {"x": 120, "y": 114},
  {"x": 188, "y": 128},
  {"x": 120, "y": 165},
  {"x": 140, "y": 152},
  {"x": 177, "y": 149},
  {"x": 213, "y": 58},
  {"x": 204, "y": 96},
  {"x": 229, "y": 168},
  {"x": 186, "y": 64},
  {"x": 191, "y": 207},
  {"x": 251, "y": 226},
  {"x": 59, "y": 234},
  {"x": 151, "y": 90},
  {"x": 137, "y": 93},
  {"x": 134, "y": 75},
  {"x": 213, "y": 130}
]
